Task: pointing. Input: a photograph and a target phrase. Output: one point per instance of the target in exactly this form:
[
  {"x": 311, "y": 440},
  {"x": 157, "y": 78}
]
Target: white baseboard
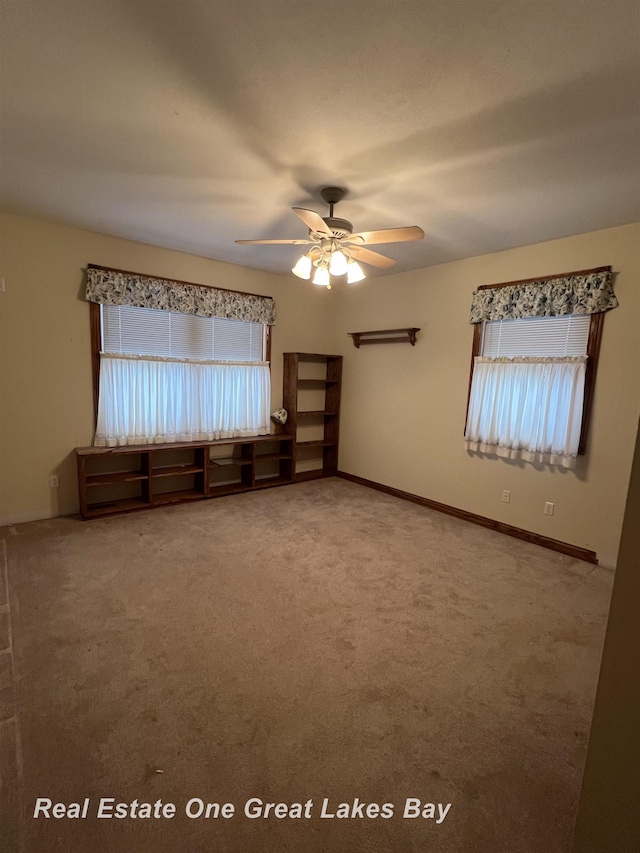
[{"x": 607, "y": 562}]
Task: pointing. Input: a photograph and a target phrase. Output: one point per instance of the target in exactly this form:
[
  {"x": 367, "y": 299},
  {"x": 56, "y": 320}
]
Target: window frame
[
  {"x": 593, "y": 348},
  {"x": 95, "y": 332}
]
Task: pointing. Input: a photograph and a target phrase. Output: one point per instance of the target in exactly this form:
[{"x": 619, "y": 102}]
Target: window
[
  {"x": 176, "y": 361},
  {"x": 534, "y": 365},
  {"x": 527, "y": 391},
  {"x": 166, "y": 376}
]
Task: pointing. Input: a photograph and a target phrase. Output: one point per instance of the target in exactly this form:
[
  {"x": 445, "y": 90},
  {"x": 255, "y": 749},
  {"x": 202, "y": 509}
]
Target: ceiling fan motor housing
[
  {"x": 340, "y": 227},
  {"x": 334, "y": 245}
]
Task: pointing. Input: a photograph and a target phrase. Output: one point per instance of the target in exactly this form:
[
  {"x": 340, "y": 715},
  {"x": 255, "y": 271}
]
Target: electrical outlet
[
  {"x": 506, "y": 496},
  {"x": 549, "y": 508},
  {"x": 54, "y": 481}
]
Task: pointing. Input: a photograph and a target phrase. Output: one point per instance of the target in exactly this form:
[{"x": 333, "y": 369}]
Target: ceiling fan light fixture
[
  {"x": 322, "y": 277},
  {"x": 354, "y": 272},
  {"x": 303, "y": 267},
  {"x": 333, "y": 244},
  {"x": 338, "y": 264}
]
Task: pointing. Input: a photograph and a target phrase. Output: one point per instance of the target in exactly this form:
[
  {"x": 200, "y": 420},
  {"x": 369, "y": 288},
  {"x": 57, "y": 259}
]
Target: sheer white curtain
[
  {"x": 143, "y": 400},
  {"x": 529, "y": 408}
]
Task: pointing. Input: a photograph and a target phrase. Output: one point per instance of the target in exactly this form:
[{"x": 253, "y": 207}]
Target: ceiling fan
[{"x": 335, "y": 249}]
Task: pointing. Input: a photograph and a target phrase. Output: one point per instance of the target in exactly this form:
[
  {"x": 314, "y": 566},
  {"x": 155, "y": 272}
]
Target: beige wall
[
  {"x": 608, "y": 817},
  {"x": 45, "y": 371},
  {"x": 404, "y": 407}
]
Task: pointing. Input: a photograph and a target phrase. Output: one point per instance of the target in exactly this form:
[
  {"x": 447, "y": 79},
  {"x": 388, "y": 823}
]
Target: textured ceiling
[{"x": 190, "y": 124}]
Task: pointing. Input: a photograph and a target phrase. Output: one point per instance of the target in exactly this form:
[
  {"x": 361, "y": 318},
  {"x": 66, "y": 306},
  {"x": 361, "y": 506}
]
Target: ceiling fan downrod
[
  {"x": 341, "y": 227},
  {"x": 332, "y": 195}
]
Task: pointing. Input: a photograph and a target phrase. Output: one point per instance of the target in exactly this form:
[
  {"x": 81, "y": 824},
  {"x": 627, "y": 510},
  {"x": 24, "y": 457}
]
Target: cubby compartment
[
  {"x": 107, "y": 498},
  {"x": 113, "y": 484},
  {"x": 176, "y": 474},
  {"x": 274, "y": 462},
  {"x": 230, "y": 469}
]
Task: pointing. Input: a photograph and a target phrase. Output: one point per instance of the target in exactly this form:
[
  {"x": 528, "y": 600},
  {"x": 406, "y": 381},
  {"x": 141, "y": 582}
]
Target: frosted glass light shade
[
  {"x": 354, "y": 273},
  {"x": 303, "y": 268},
  {"x": 321, "y": 276},
  {"x": 338, "y": 264}
]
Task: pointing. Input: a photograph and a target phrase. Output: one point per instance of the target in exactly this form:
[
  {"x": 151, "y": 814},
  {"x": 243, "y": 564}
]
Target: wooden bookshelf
[
  {"x": 311, "y": 396},
  {"x": 122, "y": 479}
]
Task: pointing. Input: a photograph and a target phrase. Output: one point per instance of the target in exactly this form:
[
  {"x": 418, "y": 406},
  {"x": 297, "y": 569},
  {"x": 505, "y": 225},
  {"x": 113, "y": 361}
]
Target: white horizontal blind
[
  {"x": 536, "y": 336},
  {"x": 128, "y": 330}
]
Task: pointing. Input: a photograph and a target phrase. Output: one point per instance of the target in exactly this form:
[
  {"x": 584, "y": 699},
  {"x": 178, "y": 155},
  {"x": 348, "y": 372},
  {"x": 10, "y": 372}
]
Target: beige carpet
[{"x": 314, "y": 641}]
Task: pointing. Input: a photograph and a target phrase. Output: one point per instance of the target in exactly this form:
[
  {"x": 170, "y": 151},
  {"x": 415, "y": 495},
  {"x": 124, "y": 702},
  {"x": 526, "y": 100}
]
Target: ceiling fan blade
[
  {"x": 313, "y": 221},
  {"x": 278, "y": 242},
  {"x": 389, "y": 235},
  {"x": 369, "y": 257}
]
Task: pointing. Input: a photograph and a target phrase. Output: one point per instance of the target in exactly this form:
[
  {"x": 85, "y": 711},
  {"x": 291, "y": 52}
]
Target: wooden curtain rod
[
  {"x": 174, "y": 280},
  {"x": 543, "y": 278}
]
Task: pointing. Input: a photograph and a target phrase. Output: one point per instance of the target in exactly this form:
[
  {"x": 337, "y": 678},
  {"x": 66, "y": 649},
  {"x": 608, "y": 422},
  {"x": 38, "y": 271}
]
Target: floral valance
[
  {"x": 112, "y": 287},
  {"x": 580, "y": 293}
]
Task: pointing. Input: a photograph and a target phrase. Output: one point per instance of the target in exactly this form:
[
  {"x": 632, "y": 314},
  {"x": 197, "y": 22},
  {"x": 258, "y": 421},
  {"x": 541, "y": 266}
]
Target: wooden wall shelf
[{"x": 385, "y": 336}]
